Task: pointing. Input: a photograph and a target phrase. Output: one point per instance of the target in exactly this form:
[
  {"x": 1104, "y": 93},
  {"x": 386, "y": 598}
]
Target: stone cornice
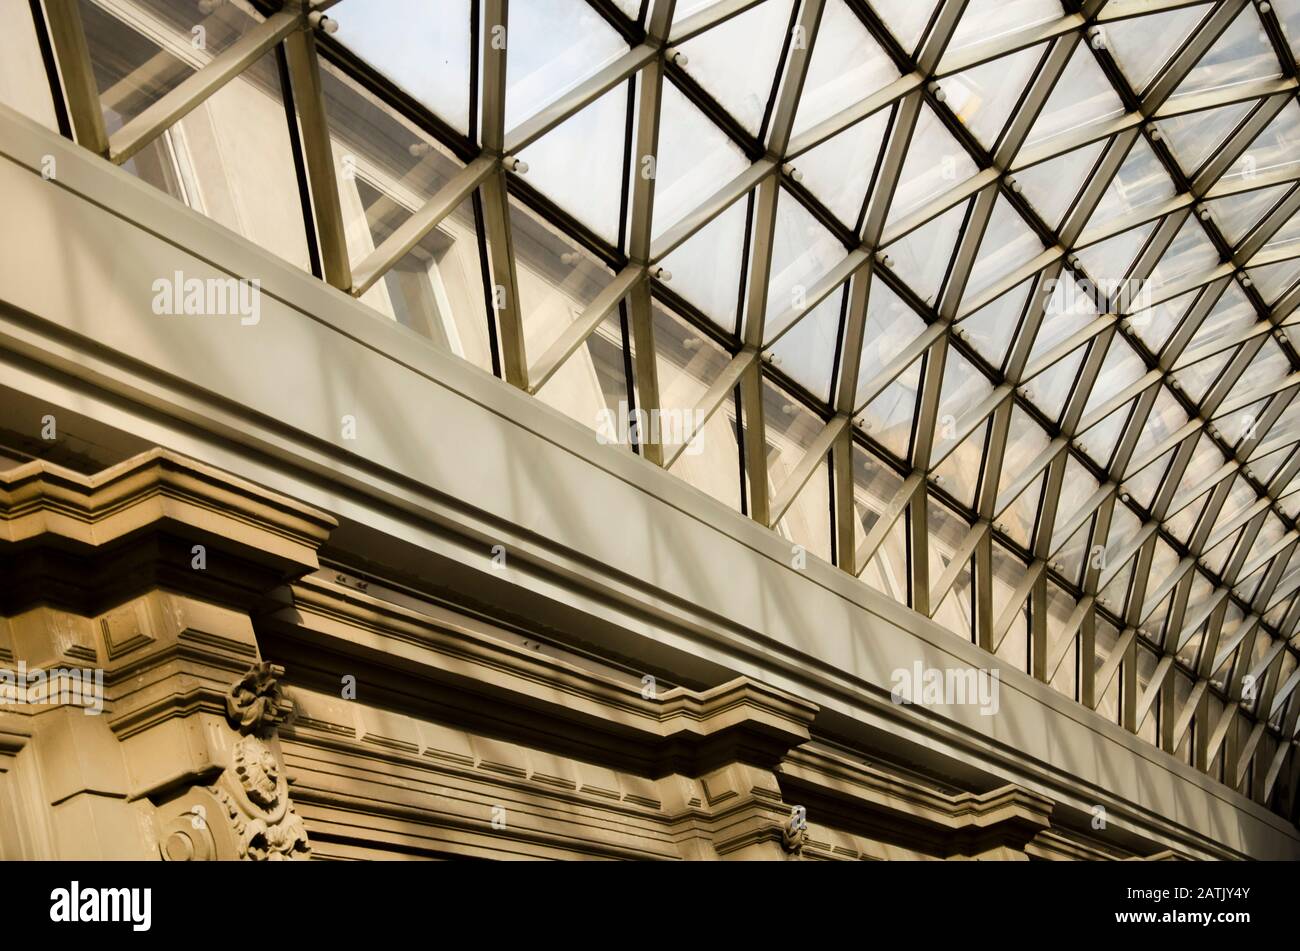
[
  {"x": 42, "y": 499},
  {"x": 677, "y": 729}
]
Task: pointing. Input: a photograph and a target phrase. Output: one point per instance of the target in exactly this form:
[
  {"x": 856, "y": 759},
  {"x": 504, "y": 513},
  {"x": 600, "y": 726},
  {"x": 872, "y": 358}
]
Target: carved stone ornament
[
  {"x": 795, "y": 831},
  {"x": 246, "y": 814},
  {"x": 255, "y": 795},
  {"x": 255, "y": 704}
]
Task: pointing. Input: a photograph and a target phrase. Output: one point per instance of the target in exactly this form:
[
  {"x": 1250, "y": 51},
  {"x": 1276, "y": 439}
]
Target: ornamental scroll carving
[{"x": 246, "y": 814}]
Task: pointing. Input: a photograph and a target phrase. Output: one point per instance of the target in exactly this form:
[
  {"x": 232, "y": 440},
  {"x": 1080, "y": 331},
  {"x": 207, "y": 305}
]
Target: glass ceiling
[{"x": 991, "y": 303}]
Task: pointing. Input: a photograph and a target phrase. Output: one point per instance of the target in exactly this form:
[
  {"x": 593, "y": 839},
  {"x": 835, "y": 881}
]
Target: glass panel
[
  {"x": 986, "y": 20},
  {"x": 791, "y": 429},
  {"x": 802, "y": 252},
  {"x": 706, "y": 267},
  {"x": 1194, "y": 136},
  {"x": 847, "y": 66},
  {"x": 921, "y": 257},
  {"x": 1082, "y": 100},
  {"x": 591, "y": 386},
  {"x": 806, "y": 352},
  {"x": 579, "y": 164},
  {"x": 1051, "y": 187},
  {"x": 387, "y": 169},
  {"x": 688, "y": 363},
  {"x": 1140, "y": 183},
  {"x": 553, "y": 46},
  {"x": 230, "y": 158},
  {"x": 1242, "y": 53},
  {"x": 1274, "y": 151},
  {"x": 735, "y": 61},
  {"x": 840, "y": 170},
  {"x": 1008, "y": 244},
  {"x": 906, "y": 19},
  {"x": 891, "y": 325},
  {"x": 695, "y": 159},
  {"x": 935, "y": 164},
  {"x": 874, "y": 486},
  {"x": 424, "y": 51},
  {"x": 557, "y": 277},
  {"x": 984, "y": 96},
  {"x": 947, "y": 531},
  {"x": 152, "y": 47},
  {"x": 1008, "y": 572},
  {"x": 1236, "y": 215},
  {"x": 1142, "y": 45}
]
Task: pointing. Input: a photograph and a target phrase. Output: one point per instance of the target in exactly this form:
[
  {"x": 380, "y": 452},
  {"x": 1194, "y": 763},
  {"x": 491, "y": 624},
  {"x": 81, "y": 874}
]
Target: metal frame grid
[{"x": 1205, "y": 626}]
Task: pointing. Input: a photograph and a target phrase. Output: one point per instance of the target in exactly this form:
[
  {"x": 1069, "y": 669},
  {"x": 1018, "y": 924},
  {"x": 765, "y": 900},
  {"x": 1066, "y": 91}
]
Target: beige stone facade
[{"x": 257, "y": 706}]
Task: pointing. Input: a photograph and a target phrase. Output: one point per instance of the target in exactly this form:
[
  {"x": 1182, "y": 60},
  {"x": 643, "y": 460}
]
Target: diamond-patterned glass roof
[{"x": 991, "y": 303}]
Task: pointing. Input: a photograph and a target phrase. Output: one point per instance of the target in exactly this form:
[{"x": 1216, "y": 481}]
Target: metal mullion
[
  {"x": 505, "y": 296},
  {"x": 1232, "y": 570},
  {"x": 807, "y": 465},
  {"x": 575, "y": 334},
  {"x": 410, "y": 232},
  {"x": 791, "y": 88},
  {"x": 846, "y": 385},
  {"x": 943, "y": 25},
  {"x": 960, "y": 560},
  {"x": 1255, "y": 90},
  {"x": 1093, "y": 361},
  {"x": 1194, "y": 47},
  {"x": 895, "y": 153},
  {"x": 1036, "y": 96},
  {"x": 578, "y": 98},
  {"x": 846, "y": 118},
  {"x": 188, "y": 95},
  {"x": 846, "y": 521},
  {"x": 755, "y": 457},
  {"x": 1178, "y": 609},
  {"x": 1173, "y": 479},
  {"x": 1229, "y": 151},
  {"x": 1048, "y": 504},
  {"x": 918, "y": 528},
  {"x": 1142, "y": 556},
  {"x": 1271, "y": 223},
  {"x": 80, "y": 91},
  {"x": 318, "y": 153},
  {"x": 1009, "y": 43},
  {"x": 912, "y": 485},
  {"x": 722, "y": 199},
  {"x": 712, "y": 399}
]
